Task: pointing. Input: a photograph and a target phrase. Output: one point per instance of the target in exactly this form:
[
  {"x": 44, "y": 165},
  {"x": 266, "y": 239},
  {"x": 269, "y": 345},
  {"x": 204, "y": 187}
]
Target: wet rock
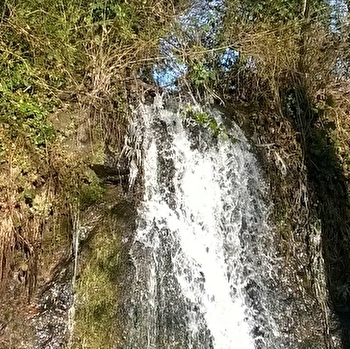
[
  {"x": 109, "y": 174},
  {"x": 51, "y": 324}
]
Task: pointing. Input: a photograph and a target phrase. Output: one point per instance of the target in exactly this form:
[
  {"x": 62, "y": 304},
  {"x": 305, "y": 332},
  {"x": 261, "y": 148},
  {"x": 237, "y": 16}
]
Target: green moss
[
  {"x": 91, "y": 191},
  {"x": 96, "y": 292}
]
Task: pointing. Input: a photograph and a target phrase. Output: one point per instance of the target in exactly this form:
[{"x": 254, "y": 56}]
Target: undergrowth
[
  {"x": 288, "y": 81},
  {"x": 81, "y": 56}
]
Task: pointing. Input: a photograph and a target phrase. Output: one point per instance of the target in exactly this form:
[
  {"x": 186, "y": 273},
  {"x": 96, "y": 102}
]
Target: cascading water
[{"x": 202, "y": 248}]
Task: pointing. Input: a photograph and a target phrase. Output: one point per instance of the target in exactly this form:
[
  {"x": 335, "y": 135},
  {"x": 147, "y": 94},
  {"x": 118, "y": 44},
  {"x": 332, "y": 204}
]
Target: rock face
[
  {"x": 111, "y": 175},
  {"x": 39, "y": 321},
  {"x": 36, "y": 299},
  {"x": 51, "y": 324}
]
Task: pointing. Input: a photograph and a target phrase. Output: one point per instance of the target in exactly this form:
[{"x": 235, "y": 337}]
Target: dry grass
[
  {"x": 296, "y": 106},
  {"x": 19, "y": 231},
  {"x": 276, "y": 56},
  {"x": 85, "y": 54},
  {"x": 338, "y": 111},
  {"x": 56, "y": 55}
]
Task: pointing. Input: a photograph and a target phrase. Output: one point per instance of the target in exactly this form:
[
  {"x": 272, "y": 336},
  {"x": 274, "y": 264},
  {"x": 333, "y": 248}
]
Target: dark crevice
[{"x": 328, "y": 185}]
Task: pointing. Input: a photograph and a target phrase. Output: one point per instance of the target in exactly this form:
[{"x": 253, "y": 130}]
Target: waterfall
[{"x": 202, "y": 250}]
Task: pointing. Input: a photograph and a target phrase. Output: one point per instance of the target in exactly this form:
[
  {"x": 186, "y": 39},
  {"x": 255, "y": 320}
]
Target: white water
[{"x": 202, "y": 243}]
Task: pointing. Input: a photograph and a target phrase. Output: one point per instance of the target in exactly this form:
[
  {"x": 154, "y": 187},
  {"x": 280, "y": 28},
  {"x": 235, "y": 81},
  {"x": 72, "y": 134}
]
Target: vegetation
[
  {"x": 96, "y": 291},
  {"x": 282, "y": 70},
  {"x": 68, "y": 71},
  {"x": 205, "y": 120},
  {"x": 289, "y": 80}
]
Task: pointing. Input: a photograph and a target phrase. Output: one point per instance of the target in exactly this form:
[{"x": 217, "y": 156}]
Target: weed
[{"x": 207, "y": 121}]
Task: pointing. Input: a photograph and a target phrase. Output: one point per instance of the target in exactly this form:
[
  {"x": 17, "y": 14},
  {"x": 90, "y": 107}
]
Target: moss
[
  {"x": 90, "y": 192},
  {"x": 96, "y": 291}
]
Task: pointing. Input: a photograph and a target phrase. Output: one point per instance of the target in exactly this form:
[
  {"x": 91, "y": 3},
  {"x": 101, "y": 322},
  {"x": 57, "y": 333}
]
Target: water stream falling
[{"x": 202, "y": 249}]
